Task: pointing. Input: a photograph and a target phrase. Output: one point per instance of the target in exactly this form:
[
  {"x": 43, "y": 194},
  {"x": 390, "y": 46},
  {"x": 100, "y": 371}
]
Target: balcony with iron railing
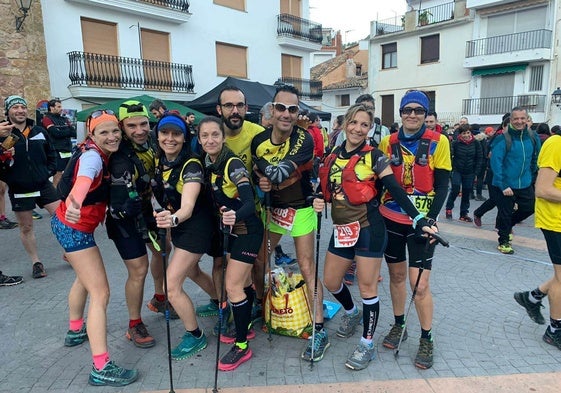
[
  {"x": 526, "y": 46},
  {"x": 502, "y": 105},
  {"x": 390, "y": 25},
  {"x": 114, "y": 72},
  {"x": 310, "y": 89},
  {"x": 436, "y": 14},
  {"x": 172, "y": 11},
  {"x": 297, "y": 32}
]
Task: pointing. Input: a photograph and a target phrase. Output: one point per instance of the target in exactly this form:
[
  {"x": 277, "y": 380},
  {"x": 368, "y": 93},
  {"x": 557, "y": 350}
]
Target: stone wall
[{"x": 23, "y": 57}]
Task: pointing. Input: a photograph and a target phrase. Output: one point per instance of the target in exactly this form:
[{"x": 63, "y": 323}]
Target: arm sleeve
[
  {"x": 441, "y": 180},
  {"x": 399, "y": 195},
  {"x": 248, "y": 203},
  {"x": 80, "y": 189}
]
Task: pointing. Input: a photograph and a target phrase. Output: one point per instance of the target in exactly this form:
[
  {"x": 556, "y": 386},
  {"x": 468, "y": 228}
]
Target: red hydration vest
[
  {"x": 356, "y": 191},
  {"x": 422, "y": 173}
]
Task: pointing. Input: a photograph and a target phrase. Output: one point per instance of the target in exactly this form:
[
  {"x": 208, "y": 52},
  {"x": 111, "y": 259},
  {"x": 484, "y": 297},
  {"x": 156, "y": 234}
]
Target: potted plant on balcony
[{"x": 424, "y": 17}]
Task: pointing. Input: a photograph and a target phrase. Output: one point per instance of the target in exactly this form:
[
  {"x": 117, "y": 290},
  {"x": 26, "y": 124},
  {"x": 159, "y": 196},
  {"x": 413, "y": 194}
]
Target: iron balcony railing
[
  {"x": 98, "y": 70},
  {"x": 502, "y": 105},
  {"x": 439, "y": 13},
  {"x": 390, "y": 25},
  {"x": 311, "y": 89},
  {"x": 509, "y": 43},
  {"x": 293, "y": 26},
  {"x": 177, "y": 5}
]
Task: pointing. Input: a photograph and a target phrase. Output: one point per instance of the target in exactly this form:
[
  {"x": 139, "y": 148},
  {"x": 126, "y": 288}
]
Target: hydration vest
[
  {"x": 99, "y": 190},
  {"x": 356, "y": 191},
  {"x": 422, "y": 173}
]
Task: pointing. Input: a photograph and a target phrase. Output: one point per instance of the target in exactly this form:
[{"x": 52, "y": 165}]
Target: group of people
[{"x": 234, "y": 200}]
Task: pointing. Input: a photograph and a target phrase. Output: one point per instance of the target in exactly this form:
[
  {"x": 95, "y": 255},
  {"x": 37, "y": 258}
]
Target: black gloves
[
  {"x": 423, "y": 222},
  {"x": 131, "y": 208}
]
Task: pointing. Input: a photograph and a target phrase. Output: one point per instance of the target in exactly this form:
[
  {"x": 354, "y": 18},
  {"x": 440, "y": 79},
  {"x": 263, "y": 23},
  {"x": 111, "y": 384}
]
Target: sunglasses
[
  {"x": 230, "y": 106},
  {"x": 98, "y": 113},
  {"x": 279, "y": 106},
  {"x": 408, "y": 110},
  {"x": 133, "y": 108}
]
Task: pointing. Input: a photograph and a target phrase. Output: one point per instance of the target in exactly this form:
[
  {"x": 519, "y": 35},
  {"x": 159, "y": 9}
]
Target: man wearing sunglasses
[
  {"x": 283, "y": 157},
  {"x": 131, "y": 220},
  {"x": 420, "y": 161},
  {"x": 34, "y": 162}
]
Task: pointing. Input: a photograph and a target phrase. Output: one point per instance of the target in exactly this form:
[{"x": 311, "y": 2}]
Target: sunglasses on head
[
  {"x": 279, "y": 106},
  {"x": 408, "y": 110},
  {"x": 98, "y": 113},
  {"x": 133, "y": 108}
]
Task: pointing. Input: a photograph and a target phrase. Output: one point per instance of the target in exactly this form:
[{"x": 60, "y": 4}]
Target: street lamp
[
  {"x": 556, "y": 97},
  {"x": 24, "y": 6}
]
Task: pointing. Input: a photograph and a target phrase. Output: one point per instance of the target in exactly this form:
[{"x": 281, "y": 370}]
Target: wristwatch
[{"x": 174, "y": 220}]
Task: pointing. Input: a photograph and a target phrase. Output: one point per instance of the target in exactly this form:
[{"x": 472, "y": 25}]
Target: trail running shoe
[
  {"x": 140, "y": 336},
  {"x": 230, "y": 336},
  {"x": 349, "y": 323},
  {"x": 208, "y": 310},
  {"x": 75, "y": 338},
  {"x": 235, "y": 357},
  {"x": 189, "y": 346},
  {"x": 391, "y": 340},
  {"x": 112, "y": 375},
  {"x": 361, "y": 356},
  {"x": 283, "y": 259},
  {"x": 466, "y": 218},
  {"x": 7, "y": 224},
  {"x": 320, "y": 343},
  {"x": 158, "y": 306},
  {"x": 552, "y": 338},
  {"x": 505, "y": 248},
  {"x": 8, "y": 281},
  {"x": 36, "y": 216},
  {"x": 424, "y": 360},
  {"x": 533, "y": 309},
  {"x": 449, "y": 214},
  {"x": 39, "y": 270},
  {"x": 477, "y": 220}
]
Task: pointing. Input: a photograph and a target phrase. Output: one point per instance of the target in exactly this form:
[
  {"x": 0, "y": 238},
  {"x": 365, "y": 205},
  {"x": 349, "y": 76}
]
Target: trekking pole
[
  {"x": 226, "y": 235},
  {"x": 268, "y": 257},
  {"x": 316, "y": 274},
  {"x": 163, "y": 235}
]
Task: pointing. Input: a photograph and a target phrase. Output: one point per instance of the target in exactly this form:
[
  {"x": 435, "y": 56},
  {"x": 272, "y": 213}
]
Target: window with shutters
[
  {"x": 430, "y": 49},
  {"x": 231, "y": 60},
  {"x": 389, "y": 56},
  {"x": 536, "y": 78}
]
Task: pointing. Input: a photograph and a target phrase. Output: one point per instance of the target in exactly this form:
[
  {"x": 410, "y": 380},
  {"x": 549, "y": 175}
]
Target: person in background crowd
[
  {"x": 514, "y": 168},
  {"x": 360, "y": 230},
  {"x": 427, "y": 184},
  {"x": 467, "y": 158},
  {"x": 431, "y": 121},
  {"x": 158, "y": 108},
  {"x": 190, "y": 120},
  {"x": 543, "y": 131},
  {"x": 555, "y": 130},
  {"x": 5, "y": 222},
  {"x": 336, "y": 130},
  {"x": 548, "y": 219},
  {"x": 84, "y": 191},
  {"x": 394, "y": 128},
  {"x": 61, "y": 132},
  {"x": 265, "y": 115},
  {"x": 34, "y": 162}
]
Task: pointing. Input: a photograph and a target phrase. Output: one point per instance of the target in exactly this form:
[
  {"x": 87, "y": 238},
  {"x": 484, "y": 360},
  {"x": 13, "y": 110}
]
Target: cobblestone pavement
[{"x": 479, "y": 330}]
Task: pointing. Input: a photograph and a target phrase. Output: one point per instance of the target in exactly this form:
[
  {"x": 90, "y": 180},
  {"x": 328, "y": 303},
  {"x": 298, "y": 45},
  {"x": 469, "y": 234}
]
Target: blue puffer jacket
[{"x": 517, "y": 167}]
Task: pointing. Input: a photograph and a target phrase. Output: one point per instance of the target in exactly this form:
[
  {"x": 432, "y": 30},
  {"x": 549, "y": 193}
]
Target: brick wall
[{"x": 23, "y": 58}]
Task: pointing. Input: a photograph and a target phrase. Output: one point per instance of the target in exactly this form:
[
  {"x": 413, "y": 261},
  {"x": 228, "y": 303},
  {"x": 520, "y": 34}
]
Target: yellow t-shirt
[
  {"x": 547, "y": 213},
  {"x": 241, "y": 143}
]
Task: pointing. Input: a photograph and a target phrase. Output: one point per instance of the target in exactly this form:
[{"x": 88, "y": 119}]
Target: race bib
[
  {"x": 346, "y": 235},
  {"x": 28, "y": 195},
  {"x": 284, "y": 218},
  {"x": 65, "y": 154},
  {"x": 422, "y": 203}
]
